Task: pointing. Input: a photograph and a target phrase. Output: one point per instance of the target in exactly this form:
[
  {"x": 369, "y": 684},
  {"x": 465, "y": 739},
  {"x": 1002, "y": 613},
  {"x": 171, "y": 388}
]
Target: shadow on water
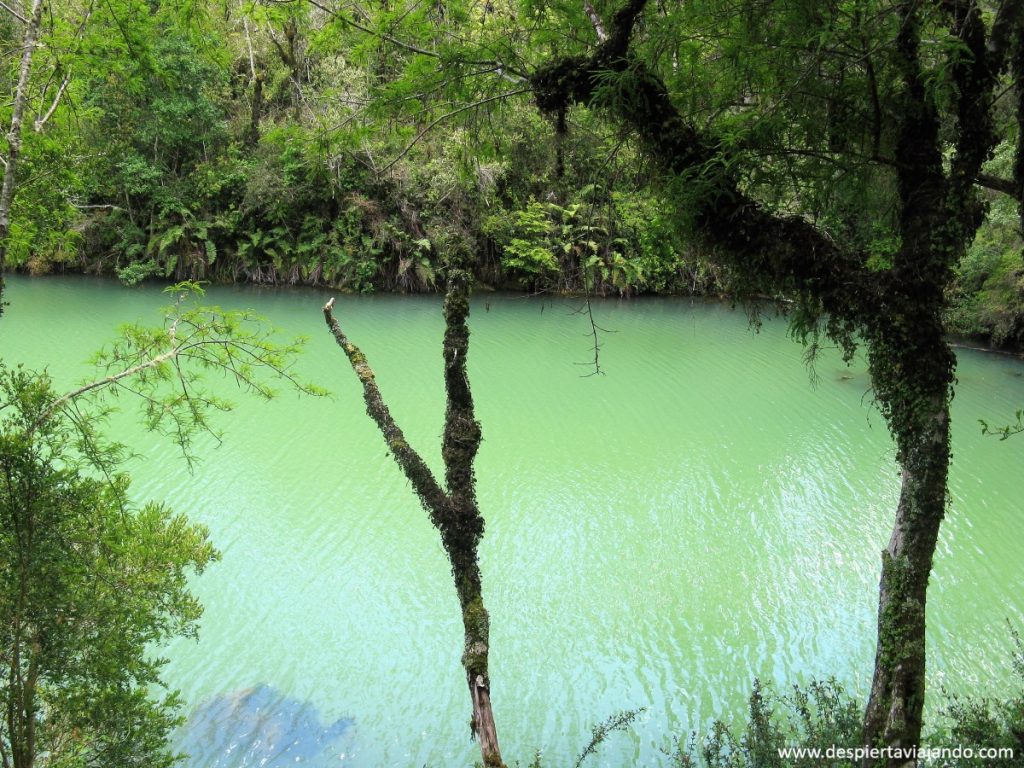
[{"x": 260, "y": 727}]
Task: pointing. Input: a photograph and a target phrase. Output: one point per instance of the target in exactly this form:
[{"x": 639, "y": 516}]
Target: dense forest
[
  {"x": 858, "y": 166},
  {"x": 284, "y": 143}
]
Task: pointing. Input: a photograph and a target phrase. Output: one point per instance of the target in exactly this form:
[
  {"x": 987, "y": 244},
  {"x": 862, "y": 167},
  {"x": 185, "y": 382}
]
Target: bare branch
[
  {"x": 41, "y": 121},
  {"x": 595, "y": 20},
  {"x": 13, "y": 12}
]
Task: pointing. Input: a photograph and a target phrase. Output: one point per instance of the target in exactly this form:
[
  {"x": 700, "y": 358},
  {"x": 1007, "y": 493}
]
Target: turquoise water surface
[{"x": 656, "y": 537}]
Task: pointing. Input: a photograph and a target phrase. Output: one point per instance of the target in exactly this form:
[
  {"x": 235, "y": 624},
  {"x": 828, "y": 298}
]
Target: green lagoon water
[{"x": 656, "y": 537}]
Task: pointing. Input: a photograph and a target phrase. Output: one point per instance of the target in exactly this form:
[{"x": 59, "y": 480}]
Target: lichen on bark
[{"x": 453, "y": 508}]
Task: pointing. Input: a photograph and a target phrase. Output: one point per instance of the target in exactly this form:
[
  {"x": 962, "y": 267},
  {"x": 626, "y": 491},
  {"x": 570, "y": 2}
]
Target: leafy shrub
[{"x": 974, "y": 721}]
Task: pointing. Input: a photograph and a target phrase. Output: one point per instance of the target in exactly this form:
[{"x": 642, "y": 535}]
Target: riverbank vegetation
[{"x": 271, "y": 143}]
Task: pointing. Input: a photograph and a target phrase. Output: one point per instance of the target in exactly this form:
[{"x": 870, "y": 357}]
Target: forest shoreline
[{"x": 974, "y": 343}]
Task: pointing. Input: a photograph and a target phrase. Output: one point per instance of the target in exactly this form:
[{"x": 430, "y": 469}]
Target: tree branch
[
  {"x": 416, "y": 470},
  {"x": 777, "y": 254},
  {"x": 107, "y": 381},
  {"x": 588, "y": 6},
  {"x": 996, "y": 184},
  {"x": 13, "y": 12},
  {"x": 622, "y": 28},
  {"x": 41, "y": 121}
]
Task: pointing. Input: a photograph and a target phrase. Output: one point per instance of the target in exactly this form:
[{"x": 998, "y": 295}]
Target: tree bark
[
  {"x": 894, "y": 713},
  {"x": 476, "y": 628},
  {"x": 14, "y": 134},
  {"x": 453, "y": 510}
]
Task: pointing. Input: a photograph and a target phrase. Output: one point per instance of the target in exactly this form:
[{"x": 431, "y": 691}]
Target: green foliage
[
  {"x": 167, "y": 367},
  {"x": 172, "y": 179},
  {"x": 818, "y": 716},
  {"x": 1007, "y": 430},
  {"x": 623, "y": 243},
  {"x": 985, "y": 721},
  {"x": 620, "y": 721},
  {"x": 91, "y": 585},
  {"x": 528, "y": 239},
  {"x": 988, "y": 292}
]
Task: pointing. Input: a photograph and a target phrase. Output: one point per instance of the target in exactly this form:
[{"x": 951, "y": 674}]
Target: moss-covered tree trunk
[
  {"x": 894, "y": 711},
  {"x": 476, "y": 628},
  {"x": 453, "y": 510},
  {"x": 920, "y": 422},
  {"x": 462, "y": 536},
  {"x": 912, "y": 374}
]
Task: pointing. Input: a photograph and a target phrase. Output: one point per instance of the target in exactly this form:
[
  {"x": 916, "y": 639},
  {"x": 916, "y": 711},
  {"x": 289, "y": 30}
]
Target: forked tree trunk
[{"x": 453, "y": 510}]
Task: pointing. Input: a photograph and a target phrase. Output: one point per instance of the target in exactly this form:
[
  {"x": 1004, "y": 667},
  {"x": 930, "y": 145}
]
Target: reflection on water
[{"x": 261, "y": 727}]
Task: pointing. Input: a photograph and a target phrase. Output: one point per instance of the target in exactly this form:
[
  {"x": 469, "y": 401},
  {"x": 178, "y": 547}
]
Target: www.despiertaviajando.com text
[{"x": 924, "y": 754}]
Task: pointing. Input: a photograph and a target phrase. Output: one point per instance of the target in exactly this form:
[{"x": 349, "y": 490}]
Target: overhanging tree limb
[{"x": 778, "y": 253}]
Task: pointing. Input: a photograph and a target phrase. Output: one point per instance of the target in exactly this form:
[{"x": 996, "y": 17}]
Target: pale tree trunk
[
  {"x": 32, "y": 26},
  {"x": 252, "y": 133},
  {"x": 453, "y": 510}
]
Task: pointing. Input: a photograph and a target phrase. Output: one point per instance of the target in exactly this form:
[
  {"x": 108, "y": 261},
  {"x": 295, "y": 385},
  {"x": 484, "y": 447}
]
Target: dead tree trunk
[
  {"x": 453, "y": 510},
  {"x": 32, "y": 25}
]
